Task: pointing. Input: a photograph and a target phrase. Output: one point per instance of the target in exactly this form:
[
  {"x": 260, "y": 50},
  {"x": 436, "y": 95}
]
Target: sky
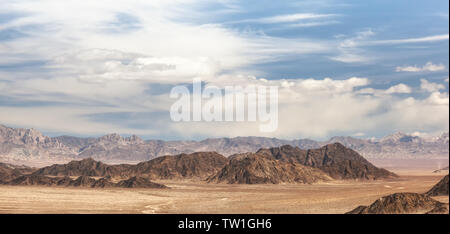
[{"x": 354, "y": 68}]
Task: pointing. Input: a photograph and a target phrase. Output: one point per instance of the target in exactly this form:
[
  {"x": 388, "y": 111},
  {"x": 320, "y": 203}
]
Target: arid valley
[
  {"x": 328, "y": 178},
  {"x": 197, "y": 197}
]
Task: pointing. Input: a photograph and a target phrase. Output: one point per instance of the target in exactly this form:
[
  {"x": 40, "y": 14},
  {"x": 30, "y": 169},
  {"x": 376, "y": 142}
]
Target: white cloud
[
  {"x": 396, "y": 89},
  {"x": 313, "y": 24},
  {"x": 160, "y": 36},
  {"x": 430, "y": 86},
  {"x": 307, "y": 108},
  {"x": 435, "y": 38},
  {"x": 349, "y": 48},
  {"x": 92, "y": 70},
  {"x": 429, "y": 66},
  {"x": 400, "y": 88},
  {"x": 290, "y": 18}
]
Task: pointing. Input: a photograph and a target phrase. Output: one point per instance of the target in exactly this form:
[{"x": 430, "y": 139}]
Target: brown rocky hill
[
  {"x": 184, "y": 166},
  {"x": 262, "y": 169},
  {"x": 336, "y": 160},
  {"x": 403, "y": 203},
  {"x": 85, "y": 167},
  {"x": 440, "y": 189},
  {"x": 81, "y": 181},
  {"x": 139, "y": 182},
  {"x": 33, "y": 180},
  {"x": 9, "y": 172}
]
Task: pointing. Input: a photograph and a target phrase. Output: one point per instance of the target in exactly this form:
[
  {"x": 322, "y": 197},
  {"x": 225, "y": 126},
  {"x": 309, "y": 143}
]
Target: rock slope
[
  {"x": 403, "y": 203},
  {"x": 440, "y": 189},
  {"x": 82, "y": 181},
  {"x": 199, "y": 166},
  {"x": 336, "y": 160},
  {"x": 9, "y": 172},
  {"x": 261, "y": 169}
]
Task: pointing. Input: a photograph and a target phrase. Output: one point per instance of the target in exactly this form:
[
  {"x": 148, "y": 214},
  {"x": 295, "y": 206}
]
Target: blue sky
[{"x": 91, "y": 68}]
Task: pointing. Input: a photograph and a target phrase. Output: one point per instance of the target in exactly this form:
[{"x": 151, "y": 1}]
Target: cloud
[
  {"x": 100, "y": 62},
  {"x": 435, "y": 38},
  {"x": 430, "y": 87},
  {"x": 354, "y": 49},
  {"x": 400, "y": 88},
  {"x": 428, "y": 67},
  {"x": 313, "y": 24},
  {"x": 129, "y": 28},
  {"x": 314, "y": 108},
  {"x": 349, "y": 51},
  {"x": 289, "y": 18},
  {"x": 396, "y": 89}
]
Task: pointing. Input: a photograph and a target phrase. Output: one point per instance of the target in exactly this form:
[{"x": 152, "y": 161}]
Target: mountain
[
  {"x": 9, "y": 171},
  {"x": 284, "y": 164},
  {"x": 440, "y": 189},
  {"x": 403, "y": 203},
  {"x": 85, "y": 167},
  {"x": 139, "y": 182},
  {"x": 262, "y": 169},
  {"x": 398, "y": 146},
  {"x": 336, "y": 160},
  {"x": 199, "y": 165},
  {"x": 30, "y": 147},
  {"x": 81, "y": 181},
  {"x": 32, "y": 180}
]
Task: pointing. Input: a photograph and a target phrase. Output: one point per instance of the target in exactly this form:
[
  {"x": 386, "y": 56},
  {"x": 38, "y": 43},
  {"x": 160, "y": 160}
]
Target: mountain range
[
  {"x": 31, "y": 147},
  {"x": 284, "y": 164}
]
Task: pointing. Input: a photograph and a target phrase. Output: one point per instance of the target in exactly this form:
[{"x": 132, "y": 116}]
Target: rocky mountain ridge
[
  {"x": 29, "y": 146},
  {"x": 284, "y": 164}
]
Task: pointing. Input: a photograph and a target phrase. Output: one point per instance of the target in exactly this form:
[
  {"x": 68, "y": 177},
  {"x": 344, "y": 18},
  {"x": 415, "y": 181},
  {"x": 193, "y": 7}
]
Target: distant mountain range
[{"x": 31, "y": 147}]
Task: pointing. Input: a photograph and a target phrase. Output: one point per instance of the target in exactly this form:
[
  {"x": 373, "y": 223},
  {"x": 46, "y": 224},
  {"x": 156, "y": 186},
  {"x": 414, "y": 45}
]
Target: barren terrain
[{"x": 199, "y": 197}]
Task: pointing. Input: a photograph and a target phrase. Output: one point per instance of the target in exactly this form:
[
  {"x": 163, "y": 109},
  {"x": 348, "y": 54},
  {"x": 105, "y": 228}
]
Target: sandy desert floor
[{"x": 190, "y": 197}]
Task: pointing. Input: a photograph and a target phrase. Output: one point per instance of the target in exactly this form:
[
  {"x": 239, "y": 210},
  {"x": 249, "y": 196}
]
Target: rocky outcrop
[
  {"x": 82, "y": 181},
  {"x": 184, "y": 166},
  {"x": 139, "y": 182},
  {"x": 9, "y": 171},
  {"x": 261, "y": 169},
  {"x": 336, "y": 160},
  {"x": 403, "y": 203},
  {"x": 440, "y": 189},
  {"x": 27, "y": 180},
  {"x": 85, "y": 167}
]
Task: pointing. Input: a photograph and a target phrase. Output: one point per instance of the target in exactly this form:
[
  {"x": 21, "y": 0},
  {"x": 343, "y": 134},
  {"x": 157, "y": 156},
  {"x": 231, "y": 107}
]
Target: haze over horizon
[{"x": 344, "y": 68}]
